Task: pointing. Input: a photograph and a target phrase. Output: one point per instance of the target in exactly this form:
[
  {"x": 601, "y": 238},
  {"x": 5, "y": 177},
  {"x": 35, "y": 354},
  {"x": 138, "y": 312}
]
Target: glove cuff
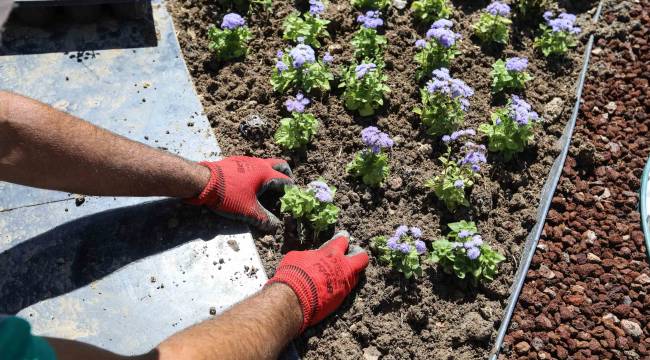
[
  {"x": 214, "y": 191},
  {"x": 304, "y": 287}
]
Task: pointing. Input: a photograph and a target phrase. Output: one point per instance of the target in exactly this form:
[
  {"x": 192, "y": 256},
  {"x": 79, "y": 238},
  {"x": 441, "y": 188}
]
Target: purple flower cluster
[
  {"x": 420, "y": 43},
  {"x": 441, "y": 31},
  {"x": 563, "y": 22},
  {"x": 521, "y": 111},
  {"x": 232, "y": 21},
  {"x": 302, "y": 54},
  {"x": 472, "y": 246},
  {"x": 397, "y": 242},
  {"x": 474, "y": 156},
  {"x": 328, "y": 58},
  {"x": 457, "y": 134},
  {"x": 297, "y": 104},
  {"x": 370, "y": 20},
  {"x": 516, "y": 64},
  {"x": 363, "y": 69},
  {"x": 498, "y": 8},
  {"x": 375, "y": 139},
  {"x": 322, "y": 192},
  {"x": 443, "y": 83},
  {"x": 459, "y": 184},
  {"x": 316, "y": 7}
]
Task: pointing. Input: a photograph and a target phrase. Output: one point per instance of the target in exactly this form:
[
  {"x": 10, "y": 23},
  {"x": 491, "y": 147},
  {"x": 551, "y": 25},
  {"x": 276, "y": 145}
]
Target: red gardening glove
[
  {"x": 322, "y": 278},
  {"x": 236, "y": 182}
]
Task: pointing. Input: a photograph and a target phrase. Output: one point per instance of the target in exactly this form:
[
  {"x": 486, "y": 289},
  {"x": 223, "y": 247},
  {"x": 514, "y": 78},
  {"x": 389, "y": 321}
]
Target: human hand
[
  {"x": 236, "y": 182},
  {"x": 322, "y": 278}
]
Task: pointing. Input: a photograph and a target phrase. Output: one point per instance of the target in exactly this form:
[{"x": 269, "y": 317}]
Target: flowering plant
[
  {"x": 512, "y": 127},
  {"x": 463, "y": 252},
  {"x": 509, "y": 74},
  {"x": 296, "y": 131},
  {"x": 299, "y": 67},
  {"x": 429, "y": 10},
  {"x": 313, "y": 204},
  {"x": 372, "y": 163},
  {"x": 364, "y": 88},
  {"x": 493, "y": 26},
  {"x": 444, "y": 102},
  {"x": 438, "y": 49},
  {"x": 368, "y": 44},
  {"x": 558, "y": 35},
  {"x": 371, "y": 4},
  {"x": 230, "y": 41},
  {"x": 309, "y": 26},
  {"x": 402, "y": 251},
  {"x": 457, "y": 175}
]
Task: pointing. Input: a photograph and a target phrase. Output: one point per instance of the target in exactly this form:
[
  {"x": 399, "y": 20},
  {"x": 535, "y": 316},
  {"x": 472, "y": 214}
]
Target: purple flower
[
  {"x": 474, "y": 159},
  {"x": 401, "y": 231},
  {"x": 442, "y": 24},
  {"x": 460, "y": 133},
  {"x": 456, "y": 245},
  {"x": 363, "y": 69},
  {"x": 297, "y": 104},
  {"x": 416, "y": 232},
  {"x": 370, "y": 20},
  {"x": 322, "y": 192},
  {"x": 281, "y": 66},
  {"x": 459, "y": 184},
  {"x": 279, "y": 54},
  {"x": 302, "y": 54},
  {"x": 405, "y": 248},
  {"x": 392, "y": 243},
  {"x": 445, "y": 37},
  {"x": 563, "y": 22},
  {"x": 420, "y": 247},
  {"x": 376, "y": 140},
  {"x": 477, "y": 240},
  {"x": 232, "y": 21},
  {"x": 443, "y": 83},
  {"x": 521, "y": 111},
  {"x": 328, "y": 58},
  {"x": 316, "y": 7},
  {"x": 464, "y": 233},
  {"x": 446, "y": 139},
  {"x": 498, "y": 8},
  {"x": 516, "y": 64},
  {"x": 420, "y": 43},
  {"x": 473, "y": 253}
]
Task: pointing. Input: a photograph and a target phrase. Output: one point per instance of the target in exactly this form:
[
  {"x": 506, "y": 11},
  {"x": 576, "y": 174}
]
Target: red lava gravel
[{"x": 587, "y": 293}]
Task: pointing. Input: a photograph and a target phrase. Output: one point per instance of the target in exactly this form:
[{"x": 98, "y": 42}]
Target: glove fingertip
[{"x": 359, "y": 261}]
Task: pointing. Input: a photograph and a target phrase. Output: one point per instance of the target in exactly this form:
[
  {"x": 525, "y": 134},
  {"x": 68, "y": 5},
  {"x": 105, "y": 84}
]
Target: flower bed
[{"x": 430, "y": 314}]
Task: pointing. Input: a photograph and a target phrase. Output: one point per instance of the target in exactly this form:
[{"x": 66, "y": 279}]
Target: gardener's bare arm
[{"x": 47, "y": 148}]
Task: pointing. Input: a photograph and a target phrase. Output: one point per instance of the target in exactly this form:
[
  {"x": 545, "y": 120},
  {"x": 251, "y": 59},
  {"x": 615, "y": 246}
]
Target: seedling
[
  {"x": 312, "y": 205},
  {"x": 438, "y": 49},
  {"x": 510, "y": 74},
  {"x": 512, "y": 127},
  {"x": 493, "y": 25},
  {"x": 371, "y": 4},
  {"x": 367, "y": 42},
  {"x": 371, "y": 164},
  {"x": 402, "y": 251},
  {"x": 464, "y": 253},
  {"x": 309, "y": 26},
  {"x": 230, "y": 41},
  {"x": 300, "y": 68},
  {"x": 365, "y": 88},
  {"x": 558, "y": 35},
  {"x": 296, "y": 132},
  {"x": 430, "y": 10}
]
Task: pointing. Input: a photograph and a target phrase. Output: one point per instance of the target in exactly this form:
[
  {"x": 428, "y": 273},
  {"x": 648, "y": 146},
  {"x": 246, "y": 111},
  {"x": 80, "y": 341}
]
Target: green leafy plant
[
  {"x": 296, "y": 132},
  {"x": 558, "y": 35},
  {"x": 300, "y": 68},
  {"x": 368, "y": 44},
  {"x": 229, "y": 42},
  {"x": 512, "y": 127},
  {"x": 464, "y": 254},
  {"x": 371, "y": 4},
  {"x": 510, "y": 74},
  {"x": 430, "y": 10},
  {"x": 309, "y": 26},
  {"x": 439, "y": 48},
  {"x": 401, "y": 251},
  {"x": 529, "y": 9},
  {"x": 493, "y": 25},
  {"x": 365, "y": 88},
  {"x": 312, "y": 205},
  {"x": 444, "y": 102},
  {"x": 371, "y": 164},
  {"x": 457, "y": 174}
]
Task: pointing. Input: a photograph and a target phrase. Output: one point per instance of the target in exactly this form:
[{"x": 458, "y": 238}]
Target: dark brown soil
[
  {"x": 436, "y": 316},
  {"x": 586, "y": 295}
]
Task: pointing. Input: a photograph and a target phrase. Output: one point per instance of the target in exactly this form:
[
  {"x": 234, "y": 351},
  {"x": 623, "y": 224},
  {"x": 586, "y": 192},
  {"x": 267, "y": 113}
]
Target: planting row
[{"x": 444, "y": 102}]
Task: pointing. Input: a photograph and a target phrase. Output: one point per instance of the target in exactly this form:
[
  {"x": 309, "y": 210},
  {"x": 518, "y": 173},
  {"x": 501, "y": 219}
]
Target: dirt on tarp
[
  {"x": 435, "y": 316},
  {"x": 587, "y": 294}
]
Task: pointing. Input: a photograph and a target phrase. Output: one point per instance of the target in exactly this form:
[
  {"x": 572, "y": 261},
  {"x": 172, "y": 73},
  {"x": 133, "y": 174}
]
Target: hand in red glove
[
  {"x": 236, "y": 182},
  {"x": 322, "y": 278}
]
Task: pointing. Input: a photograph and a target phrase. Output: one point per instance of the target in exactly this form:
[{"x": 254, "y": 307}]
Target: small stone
[
  {"x": 213, "y": 311},
  {"x": 631, "y": 328},
  {"x": 597, "y": 51},
  {"x": 152, "y": 279},
  {"x": 643, "y": 279},
  {"x": 233, "y": 245},
  {"x": 522, "y": 347},
  {"x": 544, "y": 322},
  {"x": 79, "y": 199},
  {"x": 537, "y": 343},
  {"x": 553, "y": 109},
  {"x": 395, "y": 183},
  {"x": 590, "y": 236},
  {"x": 609, "y": 317},
  {"x": 611, "y": 106},
  {"x": 371, "y": 353},
  {"x": 593, "y": 258},
  {"x": 546, "y": 272}
]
